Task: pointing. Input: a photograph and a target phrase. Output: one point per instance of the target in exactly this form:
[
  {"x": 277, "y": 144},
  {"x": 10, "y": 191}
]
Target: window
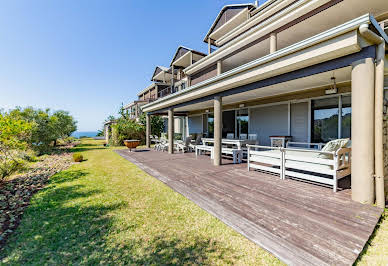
[
  {"x": 325, "y": 119},
  {"x": 228, "y": 123},
  {"x": 326, "y": 123},
  {"x": 346, "y": 118},
  {"x": 242, "y": 119},
  {"x": 210, "y": 126},
  {"x": 183, "y": 86}
]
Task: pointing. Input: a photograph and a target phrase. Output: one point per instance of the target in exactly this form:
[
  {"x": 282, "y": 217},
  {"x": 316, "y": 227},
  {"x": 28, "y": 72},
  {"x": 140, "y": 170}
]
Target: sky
[{"x": 90, "y": 56}]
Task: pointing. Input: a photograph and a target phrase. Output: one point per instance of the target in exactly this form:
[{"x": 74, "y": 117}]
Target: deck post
[
  {"x": 362, "y": 169},
  {"x": 217, "y": 130},
  {"x": 171, "y": 131},
  {"x": 148, "y": 130}
]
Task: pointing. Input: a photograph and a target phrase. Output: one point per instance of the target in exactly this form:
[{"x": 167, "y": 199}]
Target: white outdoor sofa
[{"x": 304, "y": 164}]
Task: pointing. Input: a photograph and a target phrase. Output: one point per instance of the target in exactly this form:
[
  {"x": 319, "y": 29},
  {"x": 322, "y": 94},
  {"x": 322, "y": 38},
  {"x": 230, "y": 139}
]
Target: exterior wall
[
  {"x": 153, "y": 93},
  {"x": 195, "y": 124},
  {"x": 204, "y": 74},
  {"x": 147, "y": 95},
  {"x": 268, "y": 121},
  {"x": 299, "y": 122},
  {"x": 317, "y": 92}
]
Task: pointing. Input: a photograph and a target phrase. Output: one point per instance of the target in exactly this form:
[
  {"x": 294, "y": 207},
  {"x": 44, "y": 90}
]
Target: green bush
[
  {"x": 126, "y": 129},
  {"x": 77, "y": 157}
]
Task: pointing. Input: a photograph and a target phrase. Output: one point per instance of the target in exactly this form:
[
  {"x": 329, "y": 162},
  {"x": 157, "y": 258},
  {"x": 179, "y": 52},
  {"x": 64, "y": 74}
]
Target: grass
[
  {"x": 376, "y": 250},
  {"x": 106, "y": 210}
]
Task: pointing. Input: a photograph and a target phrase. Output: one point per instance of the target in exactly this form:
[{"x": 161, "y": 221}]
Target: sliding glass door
[
  {"x": 327, "y": 122},
  {"x": 228, "y": 123}
]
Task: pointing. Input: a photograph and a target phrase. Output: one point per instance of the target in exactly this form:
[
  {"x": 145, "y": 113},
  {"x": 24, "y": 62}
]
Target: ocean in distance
[{"x": 89, "y": 134}]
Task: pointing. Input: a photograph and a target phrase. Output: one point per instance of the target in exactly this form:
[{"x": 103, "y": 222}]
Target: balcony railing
[{"x": 166, "y": 91}]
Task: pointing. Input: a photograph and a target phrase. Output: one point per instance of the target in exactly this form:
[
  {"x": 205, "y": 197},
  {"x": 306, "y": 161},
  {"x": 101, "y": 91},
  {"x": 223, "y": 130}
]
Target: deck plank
[{"x": 300, "y": 223}]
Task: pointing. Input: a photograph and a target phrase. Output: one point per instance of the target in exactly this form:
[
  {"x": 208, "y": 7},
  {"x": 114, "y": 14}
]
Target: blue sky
[{"x": 88, "y": 57}]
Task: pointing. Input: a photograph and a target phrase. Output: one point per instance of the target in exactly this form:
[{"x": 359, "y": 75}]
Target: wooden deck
[{"x": 300, "y": 223}]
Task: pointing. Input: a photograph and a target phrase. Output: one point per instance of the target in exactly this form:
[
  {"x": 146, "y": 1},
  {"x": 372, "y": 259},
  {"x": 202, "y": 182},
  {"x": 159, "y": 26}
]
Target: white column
[
  {"x": 363, "y": 81},
  {"x": 273, "y": 43},
  {"x": 170, "y": 131},
  {"x": 209, "y": 46},
  {"x": 148, "y": 130},
  {"x": 219, "y": 67},
  {"x": 217, "y": 130}
]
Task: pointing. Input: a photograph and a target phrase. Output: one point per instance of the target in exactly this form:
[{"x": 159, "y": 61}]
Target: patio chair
[
  {"x": 185, "y": 146},
  {"x": 230, "y": 135},
  {"x": 196, "y": 143}
]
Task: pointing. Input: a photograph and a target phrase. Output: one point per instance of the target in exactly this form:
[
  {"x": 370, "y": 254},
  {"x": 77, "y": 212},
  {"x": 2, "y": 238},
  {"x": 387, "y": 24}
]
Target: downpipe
[{"x": 379, "y": 109}]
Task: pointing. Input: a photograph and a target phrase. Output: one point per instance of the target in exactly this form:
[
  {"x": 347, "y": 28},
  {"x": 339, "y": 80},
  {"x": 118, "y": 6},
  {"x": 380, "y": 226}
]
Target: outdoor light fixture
[
  {"x": 241, "y": 105},
  {"x": 207, "y": 110},
  {"x": 333, "y": 88}
]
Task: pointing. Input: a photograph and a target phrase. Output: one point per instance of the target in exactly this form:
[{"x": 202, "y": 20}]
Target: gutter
[{"x": 379, "y": 109}]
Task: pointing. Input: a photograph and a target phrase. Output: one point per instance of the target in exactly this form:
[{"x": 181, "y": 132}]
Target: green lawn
[{"x": 106, "y": 210}]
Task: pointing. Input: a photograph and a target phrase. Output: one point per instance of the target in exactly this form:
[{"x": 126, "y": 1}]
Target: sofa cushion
[{"x": 333, "y": 146}]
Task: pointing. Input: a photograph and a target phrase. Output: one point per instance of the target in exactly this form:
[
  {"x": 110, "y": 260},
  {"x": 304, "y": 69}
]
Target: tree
[
  {"x": 14, "y": 135},
  {"x": 124, "y": 129},
  {"x": 47, "y": 127},
  {"x": 157, "y": 124},
  {"x": 63, "y": 125}
]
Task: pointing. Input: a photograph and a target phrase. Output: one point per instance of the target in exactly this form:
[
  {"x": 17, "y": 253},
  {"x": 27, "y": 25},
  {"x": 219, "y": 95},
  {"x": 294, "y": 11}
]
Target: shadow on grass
[
  {"x": 87, "y": 147},
  {"x": 70, "y": 223}
]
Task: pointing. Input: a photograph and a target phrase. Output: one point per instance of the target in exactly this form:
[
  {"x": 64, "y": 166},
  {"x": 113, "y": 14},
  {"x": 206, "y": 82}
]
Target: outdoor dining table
[{"x": 239, "y": 143}]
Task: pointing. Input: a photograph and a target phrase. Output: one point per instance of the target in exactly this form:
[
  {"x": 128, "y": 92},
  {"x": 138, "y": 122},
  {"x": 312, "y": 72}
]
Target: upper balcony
[
  {"x": 275, "y": 26},
  {"x": 173, "y": 79}
]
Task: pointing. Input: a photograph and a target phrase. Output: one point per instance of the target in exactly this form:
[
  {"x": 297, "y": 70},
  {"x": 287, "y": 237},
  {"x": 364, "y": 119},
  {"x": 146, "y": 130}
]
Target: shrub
[
  {"x": 14, "y": 134},
  {"x": 77, "y": 157},
  {"x": 126, "y": 129}
]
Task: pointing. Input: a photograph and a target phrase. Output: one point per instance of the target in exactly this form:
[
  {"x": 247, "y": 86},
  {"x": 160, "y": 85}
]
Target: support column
[
  {"x": 172, "y": 79},
  {"x": 209, "y": 46},
  {"x": 273, "y": 43},
  {"x": 379, "y": 120},
  {"x": 170, "y": 131},
  {"x": 107, "y": 134},
  {"x": 148, "y": 130},
  {"x": 219, "y": 67},
  {"x": 363, "y": 83},
  {"x": 217, "y": 130}
]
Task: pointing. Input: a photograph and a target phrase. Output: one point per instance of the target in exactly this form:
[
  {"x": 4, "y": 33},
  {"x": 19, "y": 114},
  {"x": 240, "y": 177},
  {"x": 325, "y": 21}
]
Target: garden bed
[{"x": 16, "y": 192}]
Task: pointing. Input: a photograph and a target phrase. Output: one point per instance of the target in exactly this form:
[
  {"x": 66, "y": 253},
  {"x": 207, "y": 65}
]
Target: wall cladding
[{"x": 204, "y": 74}]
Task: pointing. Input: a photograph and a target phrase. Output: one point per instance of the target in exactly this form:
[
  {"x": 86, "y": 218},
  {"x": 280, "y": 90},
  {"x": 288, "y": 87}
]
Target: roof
[
  {"x": 236, "y": 6},
  {"x": 158, "y": 69},
  {"x": 134, "y": 103},
  {"x": 183, "y": 50},
  {"x": 149, "y": 87}
]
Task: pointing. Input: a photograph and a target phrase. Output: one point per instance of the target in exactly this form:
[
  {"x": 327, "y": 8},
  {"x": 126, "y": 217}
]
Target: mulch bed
[{"x": 15, "y": 194}]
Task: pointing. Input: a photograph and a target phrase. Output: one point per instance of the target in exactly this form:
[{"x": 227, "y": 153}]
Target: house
[
  {"x": 311, "y": 70},
  {"x": 165, "y": 83}
]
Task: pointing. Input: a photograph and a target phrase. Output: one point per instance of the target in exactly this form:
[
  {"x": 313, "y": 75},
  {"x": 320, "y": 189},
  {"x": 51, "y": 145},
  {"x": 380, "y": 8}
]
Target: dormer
[
  {"x": 230, "y": 17},
  {"x": 161, "y": 75},
  {"x": 184, "y": 57}
]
